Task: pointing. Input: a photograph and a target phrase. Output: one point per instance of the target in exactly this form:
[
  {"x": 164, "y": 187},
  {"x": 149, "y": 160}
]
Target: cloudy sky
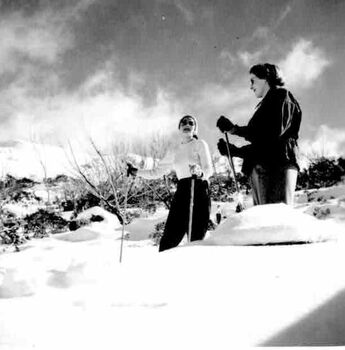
[{"x": 107, "y": 68}]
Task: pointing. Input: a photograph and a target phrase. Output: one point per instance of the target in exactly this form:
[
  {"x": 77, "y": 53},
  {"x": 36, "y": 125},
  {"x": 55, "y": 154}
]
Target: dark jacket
[{"x": 272, "y": 132}]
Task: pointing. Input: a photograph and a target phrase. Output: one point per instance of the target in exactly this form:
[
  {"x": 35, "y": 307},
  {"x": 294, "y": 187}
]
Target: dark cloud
[
  {"x": 196, "y": 53},
  {"x": 171, "y": 44},
  {"x": 174, "y": 45},
  {"x": 153, "y": 39},
  {"x": 27, "y": 6}
]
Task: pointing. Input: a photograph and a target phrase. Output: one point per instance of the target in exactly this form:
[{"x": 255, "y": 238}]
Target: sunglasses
[{"x": 187, "y": 122}]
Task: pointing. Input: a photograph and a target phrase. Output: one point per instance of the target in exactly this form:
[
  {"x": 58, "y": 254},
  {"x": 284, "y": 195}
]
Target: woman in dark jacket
[{"x": 270, "y": 158}]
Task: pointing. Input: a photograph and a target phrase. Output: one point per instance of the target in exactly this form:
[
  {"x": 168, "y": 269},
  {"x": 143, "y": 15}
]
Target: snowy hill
[
  {"x": 26, "y": 159},
  {"x": 205, "y": 295}
]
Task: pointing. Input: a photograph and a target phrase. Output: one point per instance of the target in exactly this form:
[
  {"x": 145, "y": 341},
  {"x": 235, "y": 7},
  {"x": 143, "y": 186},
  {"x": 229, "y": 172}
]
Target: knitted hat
[{"x": 195, "y": 133}]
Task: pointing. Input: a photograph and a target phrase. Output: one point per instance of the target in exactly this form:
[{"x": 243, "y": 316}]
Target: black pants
[{"x": 176, "y": 225}]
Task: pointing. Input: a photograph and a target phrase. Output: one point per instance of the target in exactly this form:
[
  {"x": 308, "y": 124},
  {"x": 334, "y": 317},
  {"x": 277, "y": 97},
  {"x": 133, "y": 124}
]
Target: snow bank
[
  {"x": 22, "y": 210},
  {"x": 241, "y": 296},
  {"x": 109, "y": 227},
  {"x": 80, "y": 235},
  {"x": 109, "y": 218},
  {"x": 321, "y": 194},
  {"x": 272, "y": 223},
  {"x": 333, "y": 209},
  {"x": 323, "y": 203},
  {"x": 15, "y": 284}
]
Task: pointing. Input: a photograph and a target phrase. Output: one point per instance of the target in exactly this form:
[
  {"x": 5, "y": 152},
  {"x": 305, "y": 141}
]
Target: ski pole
[
  {"x": 124, "y": 216},
  {"x": 240, "y": 205},
  {"x": 231, "y": 163},
  {"x": 191, "y": 206}
]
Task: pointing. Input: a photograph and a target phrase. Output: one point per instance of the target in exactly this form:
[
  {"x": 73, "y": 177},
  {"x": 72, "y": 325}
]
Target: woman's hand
[
  {"x": 225, "y": 125},
  {"x": 196, "y": 170}
]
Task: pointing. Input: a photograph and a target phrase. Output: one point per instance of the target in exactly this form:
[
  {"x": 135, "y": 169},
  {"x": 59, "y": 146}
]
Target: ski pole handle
[{"x": 195, "y": 170}]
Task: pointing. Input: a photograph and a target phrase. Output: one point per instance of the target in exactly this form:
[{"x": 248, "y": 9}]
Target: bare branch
[
  {"x": 92, "y": 186},
  {"x": 110, "y": 178}
]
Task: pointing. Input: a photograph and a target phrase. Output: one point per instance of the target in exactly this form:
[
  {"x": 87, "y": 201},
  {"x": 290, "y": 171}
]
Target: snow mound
[
  {"x": 80, "y": 235},
  {"x": 332, "y": 209},
  {"x": 272, "y": 223},
  {"x": 109, "y": 218},
  {"x": 20, "y": 210},
  {"x": 96, "y": 230},
  {"x": 321, "y": 194},
  {"x": 15, "y": 284}
]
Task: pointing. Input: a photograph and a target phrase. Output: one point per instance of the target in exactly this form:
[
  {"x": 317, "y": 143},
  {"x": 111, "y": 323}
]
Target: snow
[
  {"x": 26, "y": 159},
  {"x": 273, "y": 223},
  {"x": 35, "y": 160},
  {"x": 70, "y": 291},
  {"x": 142, "y": 228},
  {"x": 110, "y": 220},
  {"x": 22, "y": 210}
]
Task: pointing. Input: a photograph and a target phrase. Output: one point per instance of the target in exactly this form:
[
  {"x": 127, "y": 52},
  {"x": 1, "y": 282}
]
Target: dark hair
[
  {"x": 195, "y": 122},
  {"x": 269, "y": 72}
]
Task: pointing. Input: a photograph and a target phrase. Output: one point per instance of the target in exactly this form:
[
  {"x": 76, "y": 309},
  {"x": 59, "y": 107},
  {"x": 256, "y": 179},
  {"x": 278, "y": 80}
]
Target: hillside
[
  {"x": 26, "y": 159},
  {"x": 213, "y": 294}
]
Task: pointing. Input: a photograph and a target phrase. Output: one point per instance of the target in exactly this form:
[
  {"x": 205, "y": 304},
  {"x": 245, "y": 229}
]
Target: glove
[
  {"x": 223, "y": 149},
  {"x": 225, "y": 125},
  {"x": 131, "y": 170},
  {"x": 195, "y": 169}
]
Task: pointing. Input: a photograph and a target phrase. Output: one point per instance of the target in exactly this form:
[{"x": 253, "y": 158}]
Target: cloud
[
  {"x": 261, "y": 32},
  {"x": 265, "y": 37},
  {"x": 224, "y": 97},
  {"x": 249, "y": 58},
  {"x": 327, "y": 142},
  {"x": 35, "y": 38},
  {"x": 180, "y": 5},
  {"x": 304, "y": 64},
  {"x": 228, "y": 56},
  {"x": 99, "y": 109},
  {"x": 43, "y": 36},
  {"x": 187, "y": 13},
  {"x": 258, "y": 45},
  {"x": 244, "y": 57},
  {"x": 235, "y": 101},
  {"x": 283, "y": 15},
  {"x": 267, "y": 32}
]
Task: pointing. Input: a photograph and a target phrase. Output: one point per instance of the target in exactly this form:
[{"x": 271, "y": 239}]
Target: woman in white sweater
[{"x": 190, "y": 157}]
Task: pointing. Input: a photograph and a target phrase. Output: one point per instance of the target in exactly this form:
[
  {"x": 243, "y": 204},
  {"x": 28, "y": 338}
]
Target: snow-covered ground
[{"x": 69, "y": 291}]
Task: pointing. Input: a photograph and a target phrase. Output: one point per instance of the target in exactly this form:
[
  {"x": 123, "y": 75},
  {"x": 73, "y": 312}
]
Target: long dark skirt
[{"x": 176, "y": 225}]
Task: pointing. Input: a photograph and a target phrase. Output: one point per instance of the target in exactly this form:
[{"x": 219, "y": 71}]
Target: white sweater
[{"x": 180, "y": 158}]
